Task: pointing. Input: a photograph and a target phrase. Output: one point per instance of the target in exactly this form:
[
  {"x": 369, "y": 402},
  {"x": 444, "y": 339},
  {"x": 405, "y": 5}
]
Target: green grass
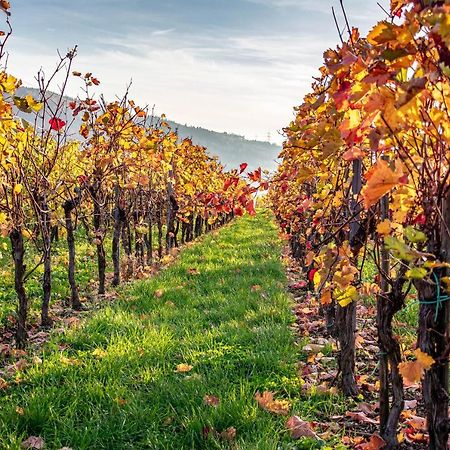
[
  {"x": 111, "y": 384},
  {"x": 86, "y": 272}
]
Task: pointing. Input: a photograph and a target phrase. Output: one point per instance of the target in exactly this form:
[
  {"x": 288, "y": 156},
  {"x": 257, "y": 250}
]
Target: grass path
[{"x": 111, "y": 384}]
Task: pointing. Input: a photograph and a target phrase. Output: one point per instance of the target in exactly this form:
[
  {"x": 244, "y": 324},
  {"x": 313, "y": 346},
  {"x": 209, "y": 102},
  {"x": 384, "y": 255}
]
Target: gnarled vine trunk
[
  {"x": 18, "y": 254},
  {"x": 69, "y": 206}
]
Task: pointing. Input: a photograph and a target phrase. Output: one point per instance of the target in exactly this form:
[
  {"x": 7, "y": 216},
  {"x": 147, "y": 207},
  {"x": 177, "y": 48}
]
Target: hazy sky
[{"x": 228, "y": 65}]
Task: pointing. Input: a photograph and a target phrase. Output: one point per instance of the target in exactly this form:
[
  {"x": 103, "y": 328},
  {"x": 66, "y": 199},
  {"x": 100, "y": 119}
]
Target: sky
[{"x": 228, "y": 65}]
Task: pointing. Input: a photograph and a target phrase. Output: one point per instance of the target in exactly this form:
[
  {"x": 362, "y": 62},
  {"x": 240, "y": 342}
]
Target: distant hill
[{"x": 231, "y": 149}]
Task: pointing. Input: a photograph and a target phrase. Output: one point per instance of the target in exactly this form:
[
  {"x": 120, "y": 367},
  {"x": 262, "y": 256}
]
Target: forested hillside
[{"x": 231, "y": 149}]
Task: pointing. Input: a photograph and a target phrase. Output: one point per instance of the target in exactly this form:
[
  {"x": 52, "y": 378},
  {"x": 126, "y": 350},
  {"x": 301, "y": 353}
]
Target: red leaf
[
  {"x": 311, "y": 274},
  {"x": 227, "y": 184},
  {"x": 95, "y": 81},
  {"x": 256, "y": 175},
  {"x": 56, "y": 124},
  {"x": 242, "y": 167},
  {"x": 250, "y": 208}
]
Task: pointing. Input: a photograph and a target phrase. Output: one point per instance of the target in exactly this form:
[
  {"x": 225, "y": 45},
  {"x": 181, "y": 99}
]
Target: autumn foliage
[
  {"x": 365, "y": 178},
  {"x": 124, "y": 176}
]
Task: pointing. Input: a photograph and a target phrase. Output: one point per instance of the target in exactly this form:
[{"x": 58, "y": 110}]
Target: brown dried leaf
[
  {"x": 21, "y": 364},
  {"x": 211, "y": 400},
  {"x": 299, "y": 428},
  {"x": 229, "y": 434},
  {"x": 33, "y": 442},
  {"x": 360, "y": 417}
]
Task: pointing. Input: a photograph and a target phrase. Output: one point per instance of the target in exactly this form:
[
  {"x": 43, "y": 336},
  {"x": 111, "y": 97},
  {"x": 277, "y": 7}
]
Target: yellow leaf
[
  {"x": 381, "y": 32},
  {"x": 346, "y": 296},
  {"x": 17, "y": 189},
  {"x": 99, "y": 353},
  {"x": 33, "y": 104},
  {"x": 27, "y": 233},
  {"x": 416, "y": 273},
  {"x": 8, "y": 84},
  {"x": 317, "y": 279},
  {"x": 384, "y": 227}
]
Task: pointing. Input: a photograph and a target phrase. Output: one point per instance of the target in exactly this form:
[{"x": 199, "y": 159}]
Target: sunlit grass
[{"x": 112, "y": 384}]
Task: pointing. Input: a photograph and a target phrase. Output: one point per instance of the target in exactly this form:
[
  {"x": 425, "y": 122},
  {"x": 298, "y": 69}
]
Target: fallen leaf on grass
[
  {"x": 267, "y": 402},
  {"x": 99, "y": 353},
  {"x": 229, "y": 434},
  {"x": 299, "y": 285},
  {"x": 413, "y": 437},
  {"x": 183, "y": 368},
  {"x": 360, "y": 417},
  {"x": 33, "y": 442},
  {"x": 299, "y": 428},
  {"x": 69, "y": 361},
  {"x": 375, "y": 443},
  {"x": 211, "y": 400},
  {"x": 415, "y": 422},
  {"x": 256, "y": 288},
  {"x": 193, "y": 271},
  {"x": 72, "y": 322},
  {"x": 410, "y": 404},
  {"x": 159, "y": 293},
  {"x": 21, "y": 364},
  {"x": 20, "y": 411},
  {"x": 18, "y": 353},
  {"x": 313, "y": 348}
]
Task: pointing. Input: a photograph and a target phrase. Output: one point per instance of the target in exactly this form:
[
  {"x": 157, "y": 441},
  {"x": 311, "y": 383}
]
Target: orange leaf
[
  {"x": 183, "y": 368},
  {"x": 380, "y": 180},
  {"x": 352, "y": 154},
  {"x": 375, "y": 443},
  {"x": 267, "y": 402},
  {"x": 412, "y": 371}
]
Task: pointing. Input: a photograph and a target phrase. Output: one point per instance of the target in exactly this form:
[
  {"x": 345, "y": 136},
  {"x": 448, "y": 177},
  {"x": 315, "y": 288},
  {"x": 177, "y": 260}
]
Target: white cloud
[{"x": 242, "y": 82}]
